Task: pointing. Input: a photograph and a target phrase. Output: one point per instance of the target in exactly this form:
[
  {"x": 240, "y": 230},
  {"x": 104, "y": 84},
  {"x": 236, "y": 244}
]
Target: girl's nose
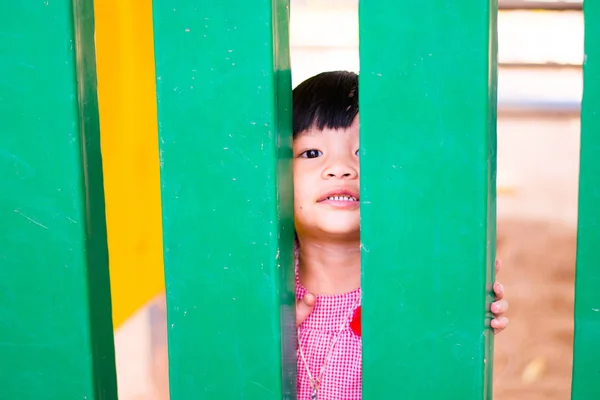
[{"x": 341, "y": 171}]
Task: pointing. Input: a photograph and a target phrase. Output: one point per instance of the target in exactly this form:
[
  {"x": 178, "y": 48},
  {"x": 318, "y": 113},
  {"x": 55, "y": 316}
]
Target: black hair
[{"x": 327, "y": 100}]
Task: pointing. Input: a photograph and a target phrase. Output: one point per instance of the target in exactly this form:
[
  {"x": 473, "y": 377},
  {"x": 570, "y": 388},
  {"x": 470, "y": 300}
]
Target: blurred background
[{"x": 539, "y": 92}]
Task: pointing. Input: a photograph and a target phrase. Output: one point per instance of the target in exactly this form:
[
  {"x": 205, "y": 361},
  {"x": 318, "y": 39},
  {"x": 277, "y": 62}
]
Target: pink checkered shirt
[{"x": 342, "y": 379}]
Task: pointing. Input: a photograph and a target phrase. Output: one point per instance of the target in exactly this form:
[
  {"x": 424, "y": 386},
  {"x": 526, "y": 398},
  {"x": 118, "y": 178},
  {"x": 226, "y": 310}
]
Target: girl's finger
[
  {"x": 499, "y": 324},
  {"x": 304, "y": 307},
  {"x": 499, "y": 290},
  {"x": 499, "y": 307}
]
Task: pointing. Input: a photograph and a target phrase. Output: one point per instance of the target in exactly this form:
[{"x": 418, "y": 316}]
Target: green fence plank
[
  {"x": 224, "y": 103},
  {"x": 586, "y": 365},
  {"x": 56, "y": 339},
  {"x": 428, "y": 166}
]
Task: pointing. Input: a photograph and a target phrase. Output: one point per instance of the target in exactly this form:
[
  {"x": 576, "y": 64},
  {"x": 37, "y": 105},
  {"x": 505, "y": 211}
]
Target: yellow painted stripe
[{"x": 128, "y": 122}]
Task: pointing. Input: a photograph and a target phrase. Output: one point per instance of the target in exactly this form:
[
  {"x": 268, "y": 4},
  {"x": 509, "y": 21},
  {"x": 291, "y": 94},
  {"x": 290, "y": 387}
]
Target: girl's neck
[{"x": 328, "y": 268}]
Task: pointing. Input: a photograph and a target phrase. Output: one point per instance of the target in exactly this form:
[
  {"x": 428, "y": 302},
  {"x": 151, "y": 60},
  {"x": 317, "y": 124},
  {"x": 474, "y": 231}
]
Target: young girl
[{"x": 326, "y": 206}]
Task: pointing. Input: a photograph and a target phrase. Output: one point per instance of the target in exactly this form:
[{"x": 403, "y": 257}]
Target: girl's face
[{"x": 326, "y": 183}]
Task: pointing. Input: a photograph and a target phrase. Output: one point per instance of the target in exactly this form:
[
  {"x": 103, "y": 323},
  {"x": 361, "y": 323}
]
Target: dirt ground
[{"x": 533, "y": 357}]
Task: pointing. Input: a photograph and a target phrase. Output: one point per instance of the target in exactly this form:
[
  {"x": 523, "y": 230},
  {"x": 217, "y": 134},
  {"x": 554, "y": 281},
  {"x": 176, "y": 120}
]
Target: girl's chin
[
  {"x": 351, "y": 231},
  {"x": 335, "y": 227}
]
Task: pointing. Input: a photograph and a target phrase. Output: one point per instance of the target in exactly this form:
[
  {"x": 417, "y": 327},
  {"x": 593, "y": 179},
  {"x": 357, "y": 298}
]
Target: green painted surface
[
  {"x": 224, "y": 110},
  {"x": 586, "y": 363},
  {"x": 428, "y": 166},
  {"x": 56, "y": 339}
]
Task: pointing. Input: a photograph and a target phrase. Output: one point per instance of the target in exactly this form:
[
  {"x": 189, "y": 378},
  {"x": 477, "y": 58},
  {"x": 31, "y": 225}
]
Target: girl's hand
[
  {"x": 304, "y": 307},
  {"x": 500, "y": 306}
]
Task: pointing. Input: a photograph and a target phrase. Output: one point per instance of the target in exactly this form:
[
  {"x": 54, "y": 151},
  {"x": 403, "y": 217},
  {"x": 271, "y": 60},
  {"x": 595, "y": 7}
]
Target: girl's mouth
[{"x": 340, "y": 198}]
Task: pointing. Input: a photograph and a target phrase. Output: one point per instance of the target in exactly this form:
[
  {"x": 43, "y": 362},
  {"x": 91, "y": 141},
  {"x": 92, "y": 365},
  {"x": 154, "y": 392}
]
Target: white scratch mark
[
  {"x": 72, "y": 220},
  {"x": 31, "y": 219},
  {"x": 261, "y": 386}
]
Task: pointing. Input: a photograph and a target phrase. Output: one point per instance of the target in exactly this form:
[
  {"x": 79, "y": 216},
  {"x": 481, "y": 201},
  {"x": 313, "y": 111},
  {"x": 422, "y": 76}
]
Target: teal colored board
[
  {"x": 586, "y": 361},
  {"x": 428, "y": 199},
  {"x": 224, "y": 111},
  {"x": 56, "y": 337}
]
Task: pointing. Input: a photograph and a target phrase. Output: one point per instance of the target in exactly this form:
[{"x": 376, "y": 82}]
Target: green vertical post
[
  {"x": 224, "y": 112},
  {"x": 428, "y": 170},
  {"x": 56, "y": 338},
  {"x": 586, "y": 354}
]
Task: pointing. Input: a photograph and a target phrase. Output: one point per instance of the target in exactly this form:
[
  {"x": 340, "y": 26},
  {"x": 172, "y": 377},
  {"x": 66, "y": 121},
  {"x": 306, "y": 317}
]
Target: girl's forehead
[
  {"x": 327, "y": 138},
  {"x": 346, "y": 133},
  {"x": 316, "y": 131}
]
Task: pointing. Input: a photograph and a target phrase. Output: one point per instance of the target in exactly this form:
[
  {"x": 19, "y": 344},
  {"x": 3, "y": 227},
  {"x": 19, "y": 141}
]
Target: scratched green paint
[
  {"x": 224, "y": 102},
  {"x": 428, "y": 170},
  {"x": 586, "y": 355},
  {"x": 56, "y": 339}
]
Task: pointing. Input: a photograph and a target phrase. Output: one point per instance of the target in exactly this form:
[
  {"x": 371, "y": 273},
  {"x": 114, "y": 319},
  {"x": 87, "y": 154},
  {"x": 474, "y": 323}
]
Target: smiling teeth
[{"x": 341, "y": 198}]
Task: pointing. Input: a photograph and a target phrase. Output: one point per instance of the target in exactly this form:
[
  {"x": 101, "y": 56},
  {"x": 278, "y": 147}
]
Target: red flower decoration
[{"x": 355, "y": 323}]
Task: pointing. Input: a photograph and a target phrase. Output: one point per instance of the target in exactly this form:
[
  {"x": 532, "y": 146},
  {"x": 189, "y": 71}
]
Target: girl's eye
[
  {"x": 312, "y": 153},
  {"x": 357, "y": 152}
]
